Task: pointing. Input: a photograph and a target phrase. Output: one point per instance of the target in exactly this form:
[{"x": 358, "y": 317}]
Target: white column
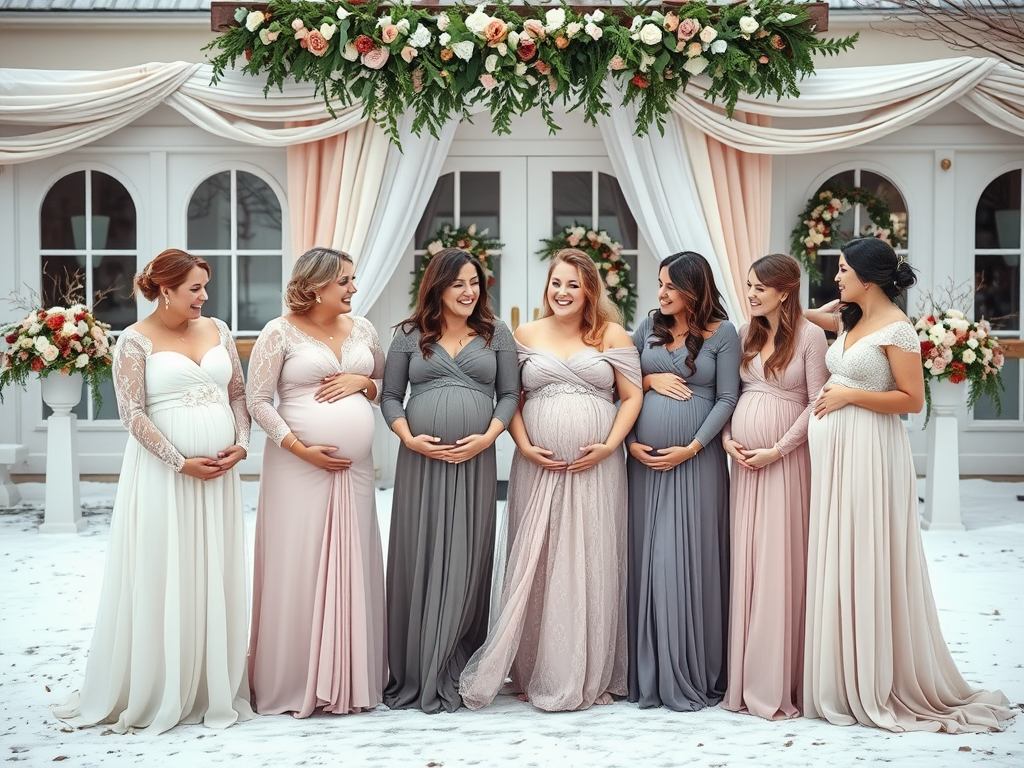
[{"x": 942, "y": 483}]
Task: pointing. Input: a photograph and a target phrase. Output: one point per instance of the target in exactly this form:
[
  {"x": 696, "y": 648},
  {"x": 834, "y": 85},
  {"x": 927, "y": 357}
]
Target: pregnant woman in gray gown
[
  {"x": 679, "y": 493},
  {"x": 462, "y": 366}
]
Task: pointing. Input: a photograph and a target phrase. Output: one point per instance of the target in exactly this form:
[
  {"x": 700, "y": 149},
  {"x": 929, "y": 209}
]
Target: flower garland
[
  {"x": 57, "y": 340},
  {"x": 607, "y": 255},
  {"x": 956, "y": 349},
  {"x": 466, "y": 238},
  {"x": 814, "y": 230},
  {"x": 439, "y": 63}
]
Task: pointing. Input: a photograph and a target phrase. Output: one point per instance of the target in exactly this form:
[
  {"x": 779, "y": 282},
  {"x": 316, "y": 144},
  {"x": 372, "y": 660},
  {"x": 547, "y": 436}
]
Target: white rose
[
  {"x": 955, "y": 313},
  {"x": 328, "y": 30},
  {"x": 403, "y": 26},
  {"x": 573, "y": 29},
  {"x": 444, "y": 39},
  {"x": 491, "y": 62},
  {"x": 969, "y": 356},
  {"x": 986, "y": 355},
  {"x": 463, "y": 49},
  {"x": 28, "y": 343},
  {"x": 348, "y": 53},
  {"x": 594, "y": 17},
  {"x": 253, "y": 20},
  {"x": 82, "y": 328},
  {"x": 972, "y": 343},
  {"x": 719, "y": 46},
  {"x": 68, "y": 329},
  {"x": 49, "y": 353},
  {"x": 443, "y": 21},
  {"x": 420, "y": 37},
  {"x": 928, "y": 364},
  {"x": 384, "y": 21},
  {"x": 708, "y": 34},
  {"x": 748, "y": 25},
  {"x": 35, "y": 328},
  {"x": 81, "y": 361},
  {"x": 513, "y": 39},
  {"x": 554, "y": 19},
  {"x": 521, "y": 68},
  {"x": 784, "y": 17},
  {"x": 650, "y": 34},
  {"x": 594, "y": 31},
  {"x": 477, "y": 21}
]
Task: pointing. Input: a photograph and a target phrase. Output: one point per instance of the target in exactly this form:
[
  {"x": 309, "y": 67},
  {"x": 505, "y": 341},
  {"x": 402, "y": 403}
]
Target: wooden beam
[{"x": 222, "y": 12}]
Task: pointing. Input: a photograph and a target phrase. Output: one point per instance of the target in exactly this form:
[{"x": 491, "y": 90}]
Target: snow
[{"x": 50, "y": 586}]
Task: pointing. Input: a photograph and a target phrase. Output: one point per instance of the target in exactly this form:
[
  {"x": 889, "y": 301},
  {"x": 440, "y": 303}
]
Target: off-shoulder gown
[
  {"x": 874, "y": 648},
  {"x": 170, "y": 638},
  {"x": 318, "y": 636},
  {"x": 561, "y": 627},
  {"x": 769, "y": 531},
  {"x": 441, "y": 547},
  {"x": 679, "y": 530}
]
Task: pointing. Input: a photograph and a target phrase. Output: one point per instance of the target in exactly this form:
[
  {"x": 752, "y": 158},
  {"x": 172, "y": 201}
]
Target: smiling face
[
  {"x": 337, "y": 294},
  {"x": 566, "y": 295},
  {"x": 851, "y": 289},
  {"x": 670, "y": 298},
  {"x": 188, "y": 298},
  {"x": 764, "y": 300},
  {"x": 459, "y": 299}
]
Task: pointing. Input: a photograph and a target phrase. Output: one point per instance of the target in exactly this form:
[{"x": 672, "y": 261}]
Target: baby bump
[
  {"x": 567, "y": 422},
  {"x": 197, "y": 431},
  {"x": 450, "y": 413},
  {"x": 665, "y": 421},
  {"x": 347, "y": 423},
  {"x": 761, "y": 420}
]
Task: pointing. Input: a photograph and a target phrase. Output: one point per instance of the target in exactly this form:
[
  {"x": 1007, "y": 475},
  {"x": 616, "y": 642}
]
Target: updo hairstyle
[
  {"x": 874, "y": 261},
  {"x": 168, "y": 270},
  {"x": 312, "y": 271}
]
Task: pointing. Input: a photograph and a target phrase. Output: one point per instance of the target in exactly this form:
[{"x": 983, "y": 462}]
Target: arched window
[
  {"x": 87, "y": 234},
  {"x": 856, "y": 223},
  {"x": 997, "y": 281},
  {"x": 234, "y": 222}
]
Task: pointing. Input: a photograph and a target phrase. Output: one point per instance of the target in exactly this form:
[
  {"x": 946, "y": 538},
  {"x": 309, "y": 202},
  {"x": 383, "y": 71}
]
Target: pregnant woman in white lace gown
[
  {"x": 170, "y": 638},
  {"x": 874, "y": 649},
  {"x": 318, "y": 588}
]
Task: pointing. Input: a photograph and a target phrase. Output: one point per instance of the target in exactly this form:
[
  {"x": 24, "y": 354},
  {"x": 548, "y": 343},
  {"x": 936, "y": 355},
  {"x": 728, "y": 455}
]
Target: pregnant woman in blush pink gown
[
  {"x": 782, "y": 371},
  {"x": 317, "y": 636}
]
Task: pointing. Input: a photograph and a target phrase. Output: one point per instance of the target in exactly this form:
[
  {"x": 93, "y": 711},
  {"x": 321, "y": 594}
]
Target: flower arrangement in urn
[
  {"x": 959, "y": 350},
  {"x": 58, "y": 340}
]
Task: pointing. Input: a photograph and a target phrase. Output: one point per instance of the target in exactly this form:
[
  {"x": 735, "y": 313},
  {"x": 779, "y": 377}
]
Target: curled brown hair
[
  {"x": 168, "y": 270},
  {"x": 599, "y": 310},
  {"x": 782, "y": 273},
  {"x": 311, "y": 272},
  {"x": 443, "y": 270},
  {"x": 691, "y": 274}
]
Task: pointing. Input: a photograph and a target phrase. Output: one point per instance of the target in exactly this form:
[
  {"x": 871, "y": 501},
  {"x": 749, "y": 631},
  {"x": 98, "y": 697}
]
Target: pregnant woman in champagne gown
[{"x": 317, "y": 638}]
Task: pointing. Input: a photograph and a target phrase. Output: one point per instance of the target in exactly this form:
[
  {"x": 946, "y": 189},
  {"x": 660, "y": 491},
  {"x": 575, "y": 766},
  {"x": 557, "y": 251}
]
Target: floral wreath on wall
[
  {"x": 814, "y": 230},
  {"x": 607, "y": 255},
  {"x": 439, "y": 63},
  {"x": 450, "y": 236}
]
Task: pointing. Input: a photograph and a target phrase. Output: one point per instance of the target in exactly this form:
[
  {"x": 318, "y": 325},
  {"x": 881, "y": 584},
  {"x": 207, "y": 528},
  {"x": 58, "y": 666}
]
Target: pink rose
[
  {"x": 488, "y": 81},
  {"x": 573, "y": 240},
  {"x": 778, "y": 43},
  {"x": 687, "y": 28},
  {"x": 763, "y": 60},
  {"x": 617, "y": 63},
  {"x": 315, "y": 43},
  {"x": 376, "y": 58},
  {"x": 536, "y": 28},
  {"x": 527, "y": 49},
  {"x": 389, "y": 34},
  {"x": 408, "y": 54},
  {"x": 543, "y": 67}
]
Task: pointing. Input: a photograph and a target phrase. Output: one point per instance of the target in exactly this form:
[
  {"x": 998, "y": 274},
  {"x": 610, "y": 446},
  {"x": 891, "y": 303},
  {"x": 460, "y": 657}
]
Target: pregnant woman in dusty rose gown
[
  {"x": 561, "y": 627},
  {"x": 317, "y": 638},
  {"x": 782, "y": 371}
]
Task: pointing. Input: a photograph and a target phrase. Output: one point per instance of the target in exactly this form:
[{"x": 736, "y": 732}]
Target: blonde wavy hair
[
  {"x": 599, "y": 309},
  {"x": 312, "y": 271}
]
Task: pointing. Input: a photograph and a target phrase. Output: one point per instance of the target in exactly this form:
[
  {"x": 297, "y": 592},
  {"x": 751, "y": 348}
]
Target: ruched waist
[
  {"x": 427, "y": 386},
  {"x": 796, "y": 396},
  {"x": 202, "y": 394}
]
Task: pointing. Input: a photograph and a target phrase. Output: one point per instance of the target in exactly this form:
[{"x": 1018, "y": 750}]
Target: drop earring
[
  {"x": 318, "y": 299},
  {"x": 167, "y": 301}
]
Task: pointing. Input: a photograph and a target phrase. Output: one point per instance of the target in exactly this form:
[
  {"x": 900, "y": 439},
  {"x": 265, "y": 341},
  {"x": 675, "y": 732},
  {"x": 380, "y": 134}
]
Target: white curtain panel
[
  {"x": 658, "y": 182},
  {"x": 366, "y": 161},
  {"x": 405, "y": 190}
]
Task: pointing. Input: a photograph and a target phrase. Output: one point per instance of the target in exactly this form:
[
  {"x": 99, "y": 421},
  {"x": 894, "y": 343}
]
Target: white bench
[{"x": 10, "y": 454}]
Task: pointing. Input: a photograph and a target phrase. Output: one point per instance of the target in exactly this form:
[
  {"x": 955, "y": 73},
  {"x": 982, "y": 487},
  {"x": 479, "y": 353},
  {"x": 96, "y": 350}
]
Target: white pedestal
[
  {"x": 63, "y": 503},
  {"x": 942, "y": 483},
  {"x": 10, "y": 454}
]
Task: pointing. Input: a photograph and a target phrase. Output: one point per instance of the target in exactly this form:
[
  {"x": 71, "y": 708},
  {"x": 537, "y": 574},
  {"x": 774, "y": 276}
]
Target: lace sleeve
[
  {"x": 265, "y": 363},
  {"x": 373, "y": 342},
  {"x": 236, "y": 388},
  {"x": 130, "y": 355},
  {"x": 902, "y": 335}
]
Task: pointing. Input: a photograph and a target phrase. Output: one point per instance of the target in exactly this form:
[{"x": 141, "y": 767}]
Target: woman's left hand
[
  {"x": 760, "y": 457},
  {"x": 592, "y": 456},
  {"x": 227, "y": 458},
  {"x": 832, "y": 398},
  {"x": 466, "y": 448},
  {"x": 671, "y": 457},
  {"x": 339, "y": 386}
]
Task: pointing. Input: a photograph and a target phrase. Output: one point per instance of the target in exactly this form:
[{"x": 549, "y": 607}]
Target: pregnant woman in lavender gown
[
  {"x": 783, "y": 370},
  {"x": 317, "y": 639},
  {"x": 561, "y": 627}
]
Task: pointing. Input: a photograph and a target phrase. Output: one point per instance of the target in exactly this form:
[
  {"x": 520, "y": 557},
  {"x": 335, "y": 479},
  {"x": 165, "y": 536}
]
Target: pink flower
[
  {"x": 488, "y": 81},
  {"x": 536, "y": 28},
  {"x": 389, "y": 34},
  {"x": 777, "y": 43},
  {"x": 408, "y": 54},
  {"x": 527, "y": 49},
  {"x": 573, "y": 240},
  {"x": 315, "y": 43},
  {"x": 376, "y": 58},
  {"x": 364, "y": 44},
  {"x": 617, "y": 63},
  {"x": 687, "y": 28},
  {"x": 417, "y": 79},
  {"x": 298, "y": 24},
  {"x": 495, "y": 32},
  {"x": 763, "y": 60},
  {"x": 543, "y": 67},
  {"x": 671, "y": 22}
]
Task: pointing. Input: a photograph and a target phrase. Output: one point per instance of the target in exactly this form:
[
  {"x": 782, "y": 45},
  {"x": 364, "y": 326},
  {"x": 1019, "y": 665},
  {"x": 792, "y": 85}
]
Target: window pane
[
  {"x": 65, "y": 199},
  {"x": 844, "y": 223},
  {"x": 113, "y": 214},
  {"x": 259, "y": 291},
  {"x": 572, "y": 199},
  {"x": 882, "y": 187},
  {"x": 58, "y": 274},
  {"x": 440, "y": 209},
  {"x": 614, "y": 215},
  {"x": 259, "y": 214},
  {"x": 109, "y": 408},
  {"x": 997, "y": 220},
  {"x": 826, "y": 290},
  {"x": 218, "y": 290},
  {"x": 480, "y": 200},
  {"x": 997, "y": 290},
  {"x": 209, "y": 214},
  {"x": 986, "y": 409},
  {"x": 114, "y": 274}
]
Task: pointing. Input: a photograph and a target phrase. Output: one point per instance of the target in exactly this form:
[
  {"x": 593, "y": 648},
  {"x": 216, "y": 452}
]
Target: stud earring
[{"x": 318, "y": 299}]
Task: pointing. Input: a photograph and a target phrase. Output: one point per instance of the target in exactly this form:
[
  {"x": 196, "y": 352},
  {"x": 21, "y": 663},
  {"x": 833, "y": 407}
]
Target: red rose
[
  {"x": 80, "y": 317},
  {"x": 55, "y": 322},
  {"x": 248, "y": 54},
  {"x": 37, "y": 364},
  {"x": 364, "y": 44},
  {"x": 958, "y": 367},
  {"x": 11, "y": 338},
  {"x": 640, "y": 81},
  {"x": 957, "y": 378},
  {"x": 527, "y": 49},
  {"x": 926, "y": 347}
]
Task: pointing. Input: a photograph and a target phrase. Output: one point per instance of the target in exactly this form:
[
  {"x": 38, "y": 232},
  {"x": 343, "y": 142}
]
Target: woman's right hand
[
  {"x": 542, "y": 458},
  {"x": 669, "y": 385},
  {"x": 735, "y": 450},
  {"x": 320, "y": 456},
  {"x": 202, "y": 468},
  {"x": 427, "y": 445}
]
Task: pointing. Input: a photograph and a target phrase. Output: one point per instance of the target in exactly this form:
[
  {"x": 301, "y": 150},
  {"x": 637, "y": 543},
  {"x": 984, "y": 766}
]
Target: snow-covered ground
[{"x": 49, "y": 586}]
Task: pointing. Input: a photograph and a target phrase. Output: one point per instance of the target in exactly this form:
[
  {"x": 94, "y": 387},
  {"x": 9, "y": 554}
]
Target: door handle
[
  {"x": 536, "y": 312},
  {"x": 515, "y": 318}
]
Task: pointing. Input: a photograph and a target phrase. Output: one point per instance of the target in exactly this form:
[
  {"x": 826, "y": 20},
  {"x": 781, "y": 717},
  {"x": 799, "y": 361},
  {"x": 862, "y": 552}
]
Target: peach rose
[
  {"x": 495, "y": 32},
  {"x": 561, "y": 42},
  {"x": 763, "y": 60},
  {"x": 408, "y": 54},
  {"x": 315, "y": 43},
  {"x": 389, "y": 34},
  {"x": 694, "y": 49},
  {"x": 671, "y": 22},
  {"x": 417, "y": 79},
  {"x": 447, "y": 54},
  {"x": 617, "y": 63},
  {"x": 488, "y": 81},
  {"x": 536, "y": 28},
  {"x": 376, "y": 58}
]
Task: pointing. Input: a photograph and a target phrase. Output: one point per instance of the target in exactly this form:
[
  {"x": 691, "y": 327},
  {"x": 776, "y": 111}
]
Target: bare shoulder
[
  {"x": 616, "y": 336},
  {"x": 528, "y": 333}
]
